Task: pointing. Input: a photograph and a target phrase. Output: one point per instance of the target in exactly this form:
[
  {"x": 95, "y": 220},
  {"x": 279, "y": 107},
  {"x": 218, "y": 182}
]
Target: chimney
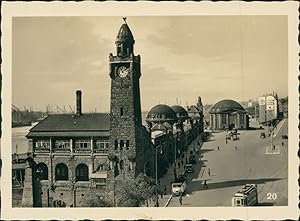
[{"x": 78, "y": 103}]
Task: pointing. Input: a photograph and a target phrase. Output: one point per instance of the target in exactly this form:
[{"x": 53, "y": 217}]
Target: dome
[
  {"x": 125, "y": 35},
  {"x": 180, "y": 112},
  {"x": 161, "y": 113},
  {"x": 226, "y": 106}
]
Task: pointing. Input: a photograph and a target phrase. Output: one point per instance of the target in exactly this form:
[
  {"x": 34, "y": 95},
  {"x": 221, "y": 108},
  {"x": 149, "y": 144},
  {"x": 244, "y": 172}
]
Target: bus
[{"x": 247, "y": 196}]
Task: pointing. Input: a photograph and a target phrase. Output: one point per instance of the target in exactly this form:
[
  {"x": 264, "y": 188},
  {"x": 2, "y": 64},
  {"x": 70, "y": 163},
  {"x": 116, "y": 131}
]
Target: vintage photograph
[{"x": 150, "y": 111}]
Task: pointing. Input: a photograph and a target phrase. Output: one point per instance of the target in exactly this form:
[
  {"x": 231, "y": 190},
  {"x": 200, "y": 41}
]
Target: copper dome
[
  {"x": 161, "y": 113},
  {"x": 224, "y": 106}
]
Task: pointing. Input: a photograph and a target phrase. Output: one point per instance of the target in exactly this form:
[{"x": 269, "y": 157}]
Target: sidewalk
[
  {"x": 168, "y": 178},
  {"x": 278, "y": 127}
]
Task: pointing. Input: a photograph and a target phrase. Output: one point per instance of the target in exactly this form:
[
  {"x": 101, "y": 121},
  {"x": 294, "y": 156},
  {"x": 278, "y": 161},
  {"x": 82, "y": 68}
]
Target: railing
[
  {"x": 82, "y": 150},
  {"x": 41, "y": 149},
  {"x": 100, "y": 150},
  {"x": 61, "y": 150}
]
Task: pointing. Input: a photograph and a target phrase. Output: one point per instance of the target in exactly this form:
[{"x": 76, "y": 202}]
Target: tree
[
  {"x": 93, "y": 200},
  {"x": 134, "y": 192}
]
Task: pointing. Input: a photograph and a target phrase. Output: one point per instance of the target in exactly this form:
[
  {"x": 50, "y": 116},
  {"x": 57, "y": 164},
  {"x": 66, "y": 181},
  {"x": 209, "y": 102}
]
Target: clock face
[{"x": 122, "y": 71}]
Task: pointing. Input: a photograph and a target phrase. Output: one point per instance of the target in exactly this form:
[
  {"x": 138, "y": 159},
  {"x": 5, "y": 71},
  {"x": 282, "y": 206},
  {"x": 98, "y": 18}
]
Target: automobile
[
  {"x": 192, "y": 159},
  {"x": 189, "y": 168},
  {"x": 262, "y": 135},
  {"x": 284, "y": 136},
  {"x": 181, "y": 178},
  {"x": 178, "y": 188}
]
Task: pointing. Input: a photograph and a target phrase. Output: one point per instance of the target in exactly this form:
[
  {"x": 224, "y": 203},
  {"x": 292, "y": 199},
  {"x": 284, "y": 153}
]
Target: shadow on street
[{"x": 197, "y": 185}]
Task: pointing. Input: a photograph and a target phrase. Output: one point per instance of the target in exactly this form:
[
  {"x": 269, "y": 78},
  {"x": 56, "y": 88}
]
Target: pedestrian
[
  {"x": 273, "y": 147},
  {"x": 205, "y": 185},
  {"x": 165, "y": 189},
  {"x": 226, "y": 140},
  {"x": 235, "y": 147},
  {"x": 218, "y": 148},
  {"x": 178, "y": 164},
  {"x": 161, "y": 194},
  {"x": 208, "y": 172},
  {"x": 180, "y": 199},
  {"x": 282, "y": 144}
]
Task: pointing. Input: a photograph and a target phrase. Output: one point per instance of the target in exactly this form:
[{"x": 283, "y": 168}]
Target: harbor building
[
  {"x": 74, "y": 156},
  {"x": 228, "y": 114}
]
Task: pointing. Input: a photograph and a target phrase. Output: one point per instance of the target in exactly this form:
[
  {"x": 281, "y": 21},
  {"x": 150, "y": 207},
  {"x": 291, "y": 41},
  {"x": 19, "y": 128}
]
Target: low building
[
  {"x": 228, "y": 114},
  {"x": 70, "y": 155}
]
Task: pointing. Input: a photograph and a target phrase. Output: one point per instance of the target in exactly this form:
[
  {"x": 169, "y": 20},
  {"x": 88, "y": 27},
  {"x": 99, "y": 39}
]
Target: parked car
[
  {"x": 181, "y": 178},
  {"x": 189, "y": 168},
  {"x": 178, "y": 188},
  {"x": 284, "y": 136},
  {"x": 192, "y": 159}
]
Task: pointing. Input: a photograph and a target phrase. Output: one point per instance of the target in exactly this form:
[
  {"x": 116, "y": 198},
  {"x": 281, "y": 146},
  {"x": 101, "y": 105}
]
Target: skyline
[{"x": 70, "y": 53}]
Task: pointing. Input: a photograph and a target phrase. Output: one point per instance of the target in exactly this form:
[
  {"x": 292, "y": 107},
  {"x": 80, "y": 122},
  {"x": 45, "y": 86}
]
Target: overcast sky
[{"x": 215, "y": 57}]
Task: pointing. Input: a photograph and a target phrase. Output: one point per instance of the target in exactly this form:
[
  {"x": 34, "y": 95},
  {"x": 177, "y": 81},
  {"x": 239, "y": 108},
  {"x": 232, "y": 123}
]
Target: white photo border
[{"x": 11, "y": 9}]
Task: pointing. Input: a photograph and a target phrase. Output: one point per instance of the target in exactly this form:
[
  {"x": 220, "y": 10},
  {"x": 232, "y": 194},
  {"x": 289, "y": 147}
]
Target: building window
[
  {"x": 62, "y": 144},
  {"x": 61, "y": 172},
  {"x": 42, "y": 171},
  {"x": 44, "y": 144},
  {"x": 223, "y": 116},
  {"x": 82, "y": 172},
  {"x": 242, "y": 119},
  {"x": 100, "y": 167},
  {"x": 121, "y": 165},
  {"x": 121, "y": 144},
  {"x": 83, "y": 144},
  {"x": 102, "y": 144},
  {"x": 116, "y": 144},
  {"x": 121, "y": 111},
  {"x": 127, "y": 144}
]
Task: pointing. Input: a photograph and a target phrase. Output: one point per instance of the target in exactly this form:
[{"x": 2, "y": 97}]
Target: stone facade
[
  {"x": 130, "y": 150},
  {"x": 43, "y": 187}
]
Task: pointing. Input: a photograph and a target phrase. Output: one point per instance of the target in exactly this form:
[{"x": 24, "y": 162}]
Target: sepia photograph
[{"x": 153, "y": 112}]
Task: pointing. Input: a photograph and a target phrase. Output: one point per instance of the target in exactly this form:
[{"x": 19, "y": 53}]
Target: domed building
[
  {"x": 228, "y": 114},
  {"x": 161, "y": 113}
]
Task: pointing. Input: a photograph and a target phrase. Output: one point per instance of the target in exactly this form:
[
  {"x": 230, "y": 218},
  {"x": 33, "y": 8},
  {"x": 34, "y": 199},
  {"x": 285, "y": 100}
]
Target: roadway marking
[{"x": 270, "y": 150}]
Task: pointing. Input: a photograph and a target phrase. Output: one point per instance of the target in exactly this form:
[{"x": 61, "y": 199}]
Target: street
[{"x": 250, "y": 159}]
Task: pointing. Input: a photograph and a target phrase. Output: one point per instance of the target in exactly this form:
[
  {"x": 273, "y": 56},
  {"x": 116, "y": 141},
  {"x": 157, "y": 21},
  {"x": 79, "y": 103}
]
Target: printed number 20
[{"x": 271, "y": 196}]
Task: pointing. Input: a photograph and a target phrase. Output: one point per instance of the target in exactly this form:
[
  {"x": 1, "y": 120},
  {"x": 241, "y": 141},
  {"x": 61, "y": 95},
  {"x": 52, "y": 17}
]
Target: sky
[{"x": 182, "y": 57}]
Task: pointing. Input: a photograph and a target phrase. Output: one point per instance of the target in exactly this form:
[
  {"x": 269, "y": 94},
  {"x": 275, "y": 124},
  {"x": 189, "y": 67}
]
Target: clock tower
[{"x": 129, "y": 141}]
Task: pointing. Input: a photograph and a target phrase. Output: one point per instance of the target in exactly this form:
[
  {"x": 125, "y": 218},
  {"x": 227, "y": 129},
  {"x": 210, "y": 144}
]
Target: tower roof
[{"x": 125, "y": 35}]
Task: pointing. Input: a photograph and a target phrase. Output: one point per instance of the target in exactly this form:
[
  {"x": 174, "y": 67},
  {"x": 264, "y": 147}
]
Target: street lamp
[{"x": 156, "y": 177}]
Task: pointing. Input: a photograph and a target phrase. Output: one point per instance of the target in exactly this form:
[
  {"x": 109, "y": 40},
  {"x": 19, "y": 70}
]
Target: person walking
[
  {"x": 208, "y": 171},
  {"x": 205, "y": 184},
  {"x": 165, "y": 189},
  {"x": 235, "y": 147},
  {"x": 282, "y": 144},
  {"x": 218, "y": 148},
  {"x": 180, "y": 199}
]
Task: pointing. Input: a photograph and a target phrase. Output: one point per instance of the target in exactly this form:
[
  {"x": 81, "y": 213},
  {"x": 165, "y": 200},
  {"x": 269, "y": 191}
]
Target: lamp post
[{"x": 156, "y": 177}]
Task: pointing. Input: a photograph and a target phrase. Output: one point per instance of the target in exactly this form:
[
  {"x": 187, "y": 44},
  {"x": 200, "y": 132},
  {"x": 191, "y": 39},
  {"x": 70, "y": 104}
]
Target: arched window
[
  {"x": 82, "y": 172},
  {"x": 61, "y": 172},
  {"x": 42, "y": 171},
  {"x": 121, "y": 165}
]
